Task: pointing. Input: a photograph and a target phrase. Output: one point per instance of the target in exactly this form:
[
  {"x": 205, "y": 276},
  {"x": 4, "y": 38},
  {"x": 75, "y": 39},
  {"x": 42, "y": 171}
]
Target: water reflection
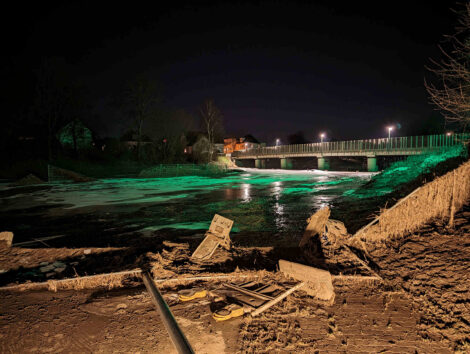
[
  {"x": 246, "y": 189},
  {"x": 278, "y": 207}
]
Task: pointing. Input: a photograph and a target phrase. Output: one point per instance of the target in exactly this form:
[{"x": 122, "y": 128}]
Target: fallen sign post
[
  {"x": 218, "y": 234},
  {"x": 177, "y": 336}
]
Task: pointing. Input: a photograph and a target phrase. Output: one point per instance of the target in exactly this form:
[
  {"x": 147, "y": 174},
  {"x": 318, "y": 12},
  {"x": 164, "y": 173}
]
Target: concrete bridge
[{"x": 370, "y": 149}]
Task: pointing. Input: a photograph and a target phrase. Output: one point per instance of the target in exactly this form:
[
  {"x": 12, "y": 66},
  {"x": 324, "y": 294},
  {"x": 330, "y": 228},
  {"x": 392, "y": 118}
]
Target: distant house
[{"x": 240, "y": 144}]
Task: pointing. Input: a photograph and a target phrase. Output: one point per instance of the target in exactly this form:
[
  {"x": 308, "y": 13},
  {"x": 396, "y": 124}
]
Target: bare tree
[
  {"x": 141, "y": 99},
  {"x": 451, "y": 93},
  {"x": 52, "y": 97},
  {"x": 212, "y": 121}
]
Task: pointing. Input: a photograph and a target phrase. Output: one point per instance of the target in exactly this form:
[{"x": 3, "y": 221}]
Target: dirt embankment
[{"x": 433, "y": 266}]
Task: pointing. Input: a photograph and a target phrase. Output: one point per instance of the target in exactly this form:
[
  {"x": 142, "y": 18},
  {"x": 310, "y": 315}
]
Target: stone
[
  {"x": 46, "y": 269},
  {"x": 87, "y": 251},
  {"x": 58, "y": 264},
  {"x": 42, "y": 264},
  {"x": 6, "y": 237},
  {"x": 59, "y": 270}
]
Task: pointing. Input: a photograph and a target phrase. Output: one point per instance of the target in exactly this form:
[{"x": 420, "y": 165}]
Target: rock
[
  {"x": 3, "y": 271},
  {"x": 50, "y": 275},
  {"x": 59, "y": 264},
  {"x": 59, "y": 270},
  {"x": 46, "y": 269},
  {"x": 6, "y": 237},
  {"x": 42, "y": 264},
  {"x": 87, "y": 251},
  {"x": 121, "y": 306}
]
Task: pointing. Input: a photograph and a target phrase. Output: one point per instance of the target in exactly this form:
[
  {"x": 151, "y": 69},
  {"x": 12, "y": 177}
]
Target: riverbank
[{"x": 407, "y": 313}]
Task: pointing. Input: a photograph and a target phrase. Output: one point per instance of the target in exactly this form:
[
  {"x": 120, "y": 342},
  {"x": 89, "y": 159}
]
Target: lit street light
[
  {"x": 449, "y": 133},
  {"x": 389, "y": 131},
  {"x": 278, "y": 141},
  {"x": 322, "y": 135}
]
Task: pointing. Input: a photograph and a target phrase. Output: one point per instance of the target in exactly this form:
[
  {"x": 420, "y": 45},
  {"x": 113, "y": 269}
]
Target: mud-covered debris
[
  {"x": 218, "y": 234},
  {"x": 6, "y": 238},
  {"x": 316, "y": 226},
  {"x": 318, "y": 282}
]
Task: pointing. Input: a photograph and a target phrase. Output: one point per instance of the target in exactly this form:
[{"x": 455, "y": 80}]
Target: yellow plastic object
[
  {"x": 228, "y": 312},
  {"x": 191, "y": 294}
]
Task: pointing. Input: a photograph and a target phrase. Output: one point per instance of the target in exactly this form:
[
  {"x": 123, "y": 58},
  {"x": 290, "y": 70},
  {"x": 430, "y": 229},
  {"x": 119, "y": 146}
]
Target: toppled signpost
[{"x": 218, "y": 234}]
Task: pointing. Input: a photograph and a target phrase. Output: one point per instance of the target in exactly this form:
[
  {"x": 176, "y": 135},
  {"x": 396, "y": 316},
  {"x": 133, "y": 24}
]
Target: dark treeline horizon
[{"x": 275, "y": 69}]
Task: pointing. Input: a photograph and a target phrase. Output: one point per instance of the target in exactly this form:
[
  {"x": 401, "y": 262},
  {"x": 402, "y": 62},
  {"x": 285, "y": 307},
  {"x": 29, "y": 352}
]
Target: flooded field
[{"x": 258, "y": 201}]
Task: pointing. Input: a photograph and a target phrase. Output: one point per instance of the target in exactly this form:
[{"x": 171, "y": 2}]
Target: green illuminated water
[{"x": 269, "y": 201}]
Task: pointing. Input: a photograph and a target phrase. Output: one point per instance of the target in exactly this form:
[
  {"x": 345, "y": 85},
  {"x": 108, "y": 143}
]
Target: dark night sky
[{"x": 273, "y": 67}]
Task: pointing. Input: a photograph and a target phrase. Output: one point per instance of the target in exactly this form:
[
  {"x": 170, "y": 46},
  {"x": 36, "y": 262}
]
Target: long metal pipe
[{"x": 177, "y": 336}]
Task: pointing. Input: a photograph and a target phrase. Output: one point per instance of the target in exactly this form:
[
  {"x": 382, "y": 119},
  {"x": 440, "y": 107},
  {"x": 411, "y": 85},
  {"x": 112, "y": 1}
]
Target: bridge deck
[{"x": 403, "y": 146}]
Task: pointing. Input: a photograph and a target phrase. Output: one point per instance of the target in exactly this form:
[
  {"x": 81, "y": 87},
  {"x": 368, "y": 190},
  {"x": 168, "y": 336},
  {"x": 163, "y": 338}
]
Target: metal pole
[{"x": 178, "y": 338}]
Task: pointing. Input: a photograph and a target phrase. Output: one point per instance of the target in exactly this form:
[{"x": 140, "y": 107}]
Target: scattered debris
[
  {"x": 315, "y": 226},
  {"x": 191, "y": 294},
  {"x": 318, "y": 282},
  {"x": 228, "y": 312},
  {"x": 218, "y": 234},
  {"x": 6, "y": 238},
  {"x": 277, "y": 299}
]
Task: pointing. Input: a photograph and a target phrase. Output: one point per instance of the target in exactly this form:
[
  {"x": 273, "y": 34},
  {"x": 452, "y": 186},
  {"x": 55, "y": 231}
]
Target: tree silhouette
[{"x": 451, "y": 93}]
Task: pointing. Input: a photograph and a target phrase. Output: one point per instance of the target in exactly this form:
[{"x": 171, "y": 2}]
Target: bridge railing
[{"x": 404, "y": 144}]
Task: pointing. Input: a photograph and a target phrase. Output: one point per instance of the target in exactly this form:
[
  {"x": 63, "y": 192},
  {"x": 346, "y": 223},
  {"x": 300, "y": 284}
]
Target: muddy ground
[{"x": 422, "y": 305}]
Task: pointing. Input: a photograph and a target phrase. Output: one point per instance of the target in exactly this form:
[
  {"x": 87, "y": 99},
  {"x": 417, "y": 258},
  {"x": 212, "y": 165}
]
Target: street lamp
[
  {"x": 389, "y": 131},
  {"x": 449, "y": 133},
  {"x": 322, "y": 135},
  {"x": 278, "y": 141}
]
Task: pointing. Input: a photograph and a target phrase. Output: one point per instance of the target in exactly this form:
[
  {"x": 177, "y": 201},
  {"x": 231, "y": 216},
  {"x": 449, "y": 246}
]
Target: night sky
[{"x": 273, "y": 68}]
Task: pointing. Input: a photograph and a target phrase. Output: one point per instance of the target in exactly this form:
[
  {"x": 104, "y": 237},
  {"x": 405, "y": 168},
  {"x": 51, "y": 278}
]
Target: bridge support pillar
[
  {"x": 323, "y": 163},
  {"x": 286, "y": 163},
  {"x": 260, "y": 163},
  {"x": 372, "y": 164}
]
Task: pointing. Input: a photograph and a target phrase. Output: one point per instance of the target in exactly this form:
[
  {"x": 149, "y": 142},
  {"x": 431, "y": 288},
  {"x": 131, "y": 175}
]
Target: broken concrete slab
[{"x": 318, "y": 282}]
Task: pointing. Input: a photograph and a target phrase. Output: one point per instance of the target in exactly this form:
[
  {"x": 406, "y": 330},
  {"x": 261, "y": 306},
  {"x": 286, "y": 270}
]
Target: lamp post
[
  {"x": 389, "y": 131},
  {"x": 322, "y": 135},
  {"x": 278, "y": 141}
]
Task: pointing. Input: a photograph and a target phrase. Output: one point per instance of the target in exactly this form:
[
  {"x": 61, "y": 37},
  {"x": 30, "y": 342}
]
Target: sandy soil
[{"x": 422, "y": 307}]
